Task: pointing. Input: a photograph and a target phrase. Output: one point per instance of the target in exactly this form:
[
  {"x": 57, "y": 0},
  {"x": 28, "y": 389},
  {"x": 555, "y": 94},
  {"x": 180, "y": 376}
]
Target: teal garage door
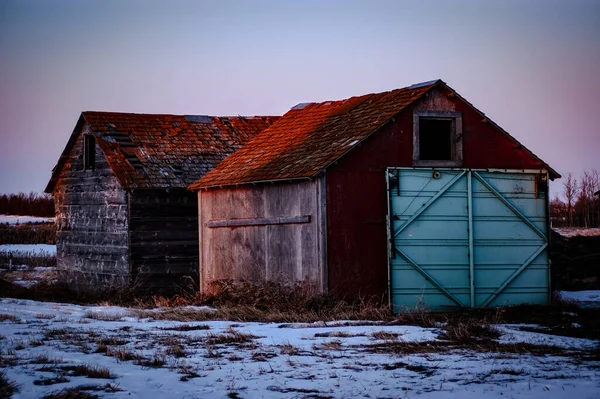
[{"x": 467, "y": 238}]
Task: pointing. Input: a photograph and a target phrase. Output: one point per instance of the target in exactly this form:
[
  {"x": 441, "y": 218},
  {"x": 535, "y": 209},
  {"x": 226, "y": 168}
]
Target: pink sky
[{"x": 531, "y": 66}]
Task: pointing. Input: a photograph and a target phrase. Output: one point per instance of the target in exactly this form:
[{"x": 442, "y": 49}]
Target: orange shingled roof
[
  {"x": 310, "y": 137},
  {"x": 163, "y": 151}
]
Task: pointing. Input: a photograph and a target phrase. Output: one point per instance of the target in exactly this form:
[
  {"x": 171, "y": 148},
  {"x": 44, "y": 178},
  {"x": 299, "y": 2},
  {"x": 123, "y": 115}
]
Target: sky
[{"x": 531, "y": 66}]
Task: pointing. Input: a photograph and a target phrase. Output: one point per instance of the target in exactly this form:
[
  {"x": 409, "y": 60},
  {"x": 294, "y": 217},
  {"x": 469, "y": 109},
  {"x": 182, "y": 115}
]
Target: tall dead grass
[
  {"x": 27, "y": 258},
  {"x": 28, "y": 233},
  {"x": 272, "y": 302}
]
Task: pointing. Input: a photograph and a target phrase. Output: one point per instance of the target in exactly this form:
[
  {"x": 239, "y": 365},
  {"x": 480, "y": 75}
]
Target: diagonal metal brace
[
  {"x": 509, "y": 205},
  {"x": 428, "y": 277},
  {"x": 514, "y": 275},
  {"x": 428, "y": 203}
]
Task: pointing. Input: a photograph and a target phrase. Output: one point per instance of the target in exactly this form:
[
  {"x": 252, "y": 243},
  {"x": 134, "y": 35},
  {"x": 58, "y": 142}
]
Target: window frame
[
  {"x": 89, "y": 152},
  {"x": 456, "y": 138}
]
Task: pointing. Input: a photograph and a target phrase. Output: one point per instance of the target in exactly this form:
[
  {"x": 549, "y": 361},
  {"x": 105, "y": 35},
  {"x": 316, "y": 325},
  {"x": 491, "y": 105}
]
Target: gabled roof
[
  {"x": 309, "y": 138},
  {"x": 162, "y": 151},
  {"x": 312, "y": 136}
]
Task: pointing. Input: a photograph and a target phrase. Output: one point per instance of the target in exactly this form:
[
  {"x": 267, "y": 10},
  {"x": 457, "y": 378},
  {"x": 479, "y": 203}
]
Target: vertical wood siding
[
  {"x": 91, "y": 220},
  {"x": 164, "y": 238},
  {"x": 287, "y": 252}
]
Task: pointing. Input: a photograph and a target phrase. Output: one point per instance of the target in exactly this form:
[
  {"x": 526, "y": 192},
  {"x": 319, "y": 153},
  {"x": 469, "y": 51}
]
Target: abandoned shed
[
  {"x": 122, "y": 209},
  {"x": 411, "y": 194}
]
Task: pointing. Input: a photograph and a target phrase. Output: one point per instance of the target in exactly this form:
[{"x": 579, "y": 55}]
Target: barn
[
  {"x": 123, "y": 213},
  {"x": 412, "y": 195}
]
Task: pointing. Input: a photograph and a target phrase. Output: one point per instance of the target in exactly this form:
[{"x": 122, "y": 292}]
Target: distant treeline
[
  {"x": 32, "y": 204},
  {"x": 581, "y": 205}
]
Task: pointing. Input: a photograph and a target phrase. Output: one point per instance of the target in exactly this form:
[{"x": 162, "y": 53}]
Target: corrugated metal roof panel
[{"x": 423, "y": 84}]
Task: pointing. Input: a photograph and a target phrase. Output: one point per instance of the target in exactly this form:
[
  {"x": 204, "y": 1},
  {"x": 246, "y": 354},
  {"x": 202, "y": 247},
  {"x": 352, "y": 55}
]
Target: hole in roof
[{"x": 199, "y": 118}]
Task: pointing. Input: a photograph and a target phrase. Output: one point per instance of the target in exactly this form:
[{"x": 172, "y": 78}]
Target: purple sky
[{"x": 532, "y": 66}]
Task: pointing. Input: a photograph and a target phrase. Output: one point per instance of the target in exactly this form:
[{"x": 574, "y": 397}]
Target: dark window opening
[
  {"x": 89, "y": 152},
  {"x": 435, "y": 139}
]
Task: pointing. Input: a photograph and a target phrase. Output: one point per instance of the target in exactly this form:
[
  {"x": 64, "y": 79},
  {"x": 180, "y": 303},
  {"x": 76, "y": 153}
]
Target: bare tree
[
  {"x": 570, "y": 191},
  {"x": 594, "y": 186},
  {"x": 586, "y": 206}
]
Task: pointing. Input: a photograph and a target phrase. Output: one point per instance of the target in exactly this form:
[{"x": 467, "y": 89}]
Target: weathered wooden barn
[
  {"x": 412, "y": 194},
  {"x": 123, "y": 213}
]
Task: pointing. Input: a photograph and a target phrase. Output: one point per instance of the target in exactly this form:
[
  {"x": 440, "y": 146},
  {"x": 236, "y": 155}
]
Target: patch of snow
[
  {"x": 14, "y": 219},
  {"x": 585, "y": 299},
  {"x": 25, "y": 283},
  {"x": 579, "y": 296},
  {"x": 311, "y": 360},
  {"x": 577, "y": 231},
  {"x": 513, "y": 333},
  {"x": 38, "y": 249}
]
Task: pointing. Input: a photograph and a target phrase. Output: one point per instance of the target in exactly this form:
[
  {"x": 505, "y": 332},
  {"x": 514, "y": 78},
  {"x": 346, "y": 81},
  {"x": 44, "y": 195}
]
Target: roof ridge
[{"x": 179, "y": 115}]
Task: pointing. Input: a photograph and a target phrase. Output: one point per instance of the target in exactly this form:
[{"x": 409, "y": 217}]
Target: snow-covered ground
[
  {"x": 577, "y": 231},
  {"x": 41, "y": 342},
  {"x": 44, "y": 249},
  {"x": 14, "y": 219},
  {"x": 590, "y": 298}
]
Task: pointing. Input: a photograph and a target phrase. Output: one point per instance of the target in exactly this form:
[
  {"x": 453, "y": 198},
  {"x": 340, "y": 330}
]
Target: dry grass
[
  {"x": 123, "y": 354},
  {"x": 89, "y": 371},
  {"x": 427, "y": 371},
  {"x": 45, "y": 359},
  {"x": 8, "y": 317},
  {"x": 27, "y": 258},
  {"x": 59, "y": 379},
  {"x": 267, "y": 302},
  {"x": 334, "y": 345},
  {"x": 338, "y": 334},
  {"x": 288, "y": 349},
  {"x": 104, "y": 316},
  {"x": 230, "y": 337},
  {"x": 57, "y": 333},
  {"x": 384, "y": 335},
  {"x": 469, "y": 331},
  {"x": 7, "y": 388},
  {"x": 186, "y": 327},
  {"x": 418, "y": 316},
  {"x": 28, "y": 233},
  {"x": 71, "y": 393},
  {"x": 405, "y": 348},
  {"x": 45, "y": 316}
]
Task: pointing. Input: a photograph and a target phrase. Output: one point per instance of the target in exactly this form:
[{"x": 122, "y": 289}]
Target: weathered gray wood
[
  {"x": 267, "y": 231},
  {"x": 322, "y": 241},
  {"x": 164, "y": 236},
  {"x": 92, "y": 226}
]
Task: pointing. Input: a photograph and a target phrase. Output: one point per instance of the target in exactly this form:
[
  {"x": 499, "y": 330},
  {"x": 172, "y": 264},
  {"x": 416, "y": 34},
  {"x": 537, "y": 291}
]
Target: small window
[
  {"x": 437, "y": 139},
  {"x": 89, "y": 152}
]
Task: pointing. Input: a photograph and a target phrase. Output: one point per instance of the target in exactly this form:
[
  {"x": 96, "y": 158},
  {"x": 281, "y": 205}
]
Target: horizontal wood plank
[{"x": 216, "y": 223}]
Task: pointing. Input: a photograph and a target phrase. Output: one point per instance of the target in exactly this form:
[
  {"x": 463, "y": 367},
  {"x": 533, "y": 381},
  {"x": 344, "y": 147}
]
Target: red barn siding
[{"x": 357, "y": 198}]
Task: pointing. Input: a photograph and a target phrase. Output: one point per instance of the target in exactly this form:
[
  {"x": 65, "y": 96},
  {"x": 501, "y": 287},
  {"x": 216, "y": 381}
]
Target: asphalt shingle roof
[
  {"x": 164, "y": 151},
  {"x": 310, "y": 137}
]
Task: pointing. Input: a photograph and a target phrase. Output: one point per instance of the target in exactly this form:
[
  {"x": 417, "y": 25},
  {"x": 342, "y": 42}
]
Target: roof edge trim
[{"x": 195, "y": 189}]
